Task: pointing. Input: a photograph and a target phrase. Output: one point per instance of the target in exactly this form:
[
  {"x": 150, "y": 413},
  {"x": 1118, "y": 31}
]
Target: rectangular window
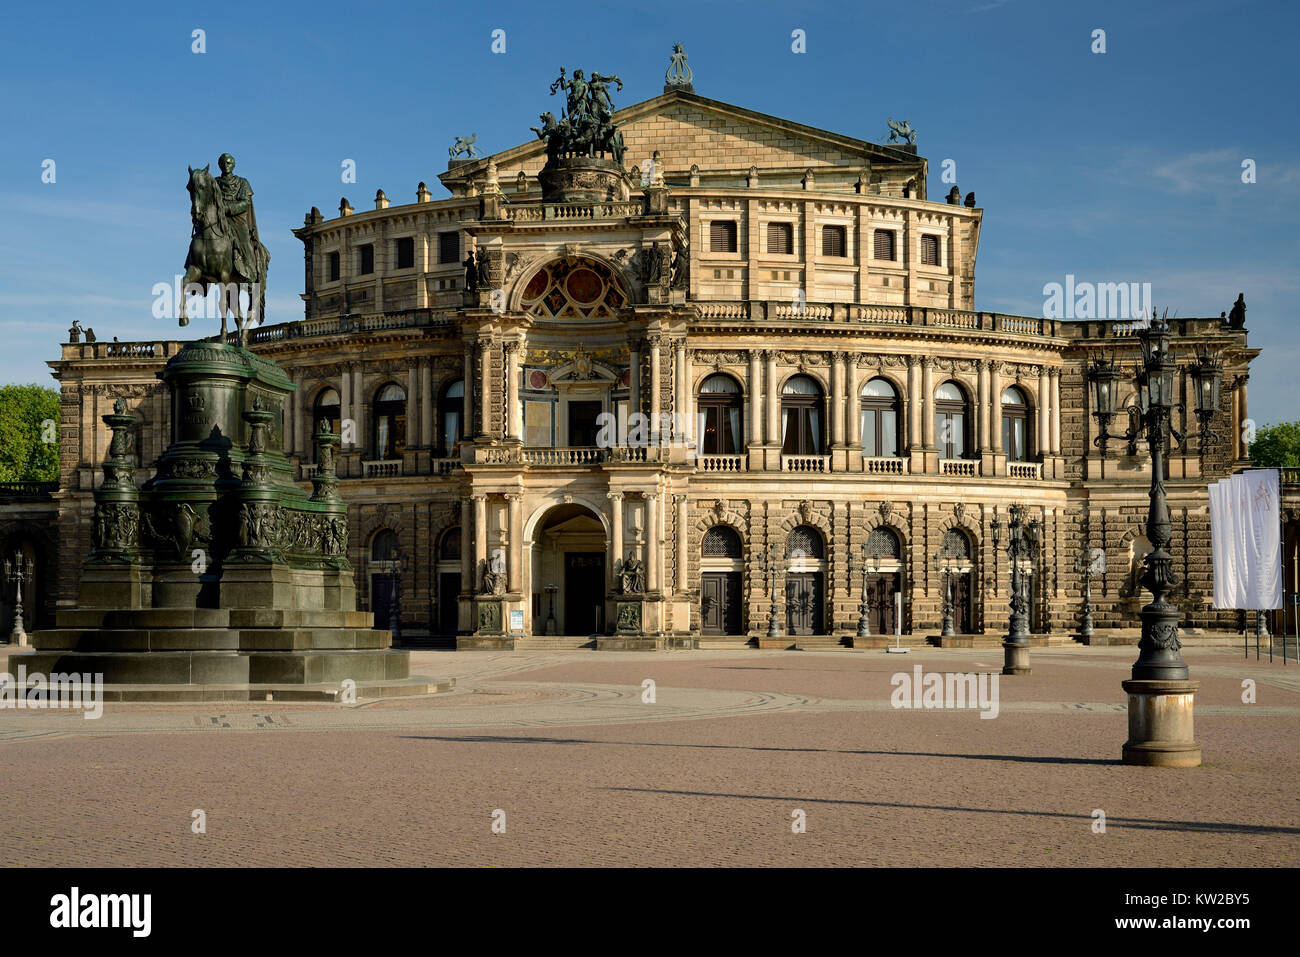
[
  {"x": 366, "y": 256},
  {"x": 884, "y": 244},
  {"x": 334, "y": 267},
  {"x": 929, "y": 250},
  {"x": 833, "y": 241},
  {"x": 406, "y": 253},
  {"x": 780, "y": 238},
  {"x": 449, "y": 247},
  {"x": 722, "y": 236}
]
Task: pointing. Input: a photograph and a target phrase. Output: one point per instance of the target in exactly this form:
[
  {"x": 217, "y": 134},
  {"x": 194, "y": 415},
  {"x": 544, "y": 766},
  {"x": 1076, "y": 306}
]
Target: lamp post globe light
[
  {"x": 1023, "y": 540},
  {"x": 1160, "y": 692}
]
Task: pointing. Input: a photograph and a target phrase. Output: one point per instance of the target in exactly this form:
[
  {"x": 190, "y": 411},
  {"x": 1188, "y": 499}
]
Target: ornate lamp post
[
  {"x": 20, "y": 571},
  {"x": 395, "y": 596},
  {"x": 1160, "y": 693},
  {"x": 1022, "y": 542},
  {"x": 773, "y": 621},
  {"x": 1083, "y": 562},
  {"x": 943, "y": 563},
  {"x": 871, "y": 563}
]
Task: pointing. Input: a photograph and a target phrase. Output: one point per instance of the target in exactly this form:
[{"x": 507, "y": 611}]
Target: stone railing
[
  {"x": 546, "y": 212},
  {"x": 857, "y": 312},
  {"x": 886, "y": 465},
  {"x": 307, "y": 471},
  {"x": 817, "y": 312},
  {"x": 444, "y": 466},
  {"x": 345, "y": 325},
  {"x": 1020, "y": 325},
  {"x": 965, "y": 467},
  {"x": 28, "y": 489},
  {"x": 721, "y": 463},
  {"x": 1025, "y": 470},
  {"x": 381, "y": 468},
  {"x": 805, "y": 463},
  {"x": 565, "y": 456},
  {"x": 723, "y": 310},
  {"x": 1290, "y": 476},
  {"x": 894, "y": 314}
]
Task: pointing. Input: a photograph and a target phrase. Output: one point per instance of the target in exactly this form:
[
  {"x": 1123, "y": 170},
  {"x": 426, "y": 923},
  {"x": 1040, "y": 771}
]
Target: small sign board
[{"x": 517, "y": 619}]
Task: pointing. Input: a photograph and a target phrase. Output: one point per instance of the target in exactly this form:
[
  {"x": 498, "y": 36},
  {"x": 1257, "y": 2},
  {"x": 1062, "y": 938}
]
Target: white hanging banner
[
  {"x": 1225, "y": 581},
  {"x": 1261, "y": 537}
]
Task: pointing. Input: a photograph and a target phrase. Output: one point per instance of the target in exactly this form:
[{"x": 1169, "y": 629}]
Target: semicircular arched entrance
[{"x": 567, "y": 565}]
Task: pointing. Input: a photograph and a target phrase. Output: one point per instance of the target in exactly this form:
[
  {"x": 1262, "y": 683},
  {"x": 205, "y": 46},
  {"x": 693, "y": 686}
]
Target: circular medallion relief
[{"x": 537, "y": 379}]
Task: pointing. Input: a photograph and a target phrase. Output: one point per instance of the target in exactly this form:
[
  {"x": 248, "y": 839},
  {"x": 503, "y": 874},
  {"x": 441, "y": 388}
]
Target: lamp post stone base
[
  {"x": 1160, "y": 724},
  {"x": 1015, "y": 658}
]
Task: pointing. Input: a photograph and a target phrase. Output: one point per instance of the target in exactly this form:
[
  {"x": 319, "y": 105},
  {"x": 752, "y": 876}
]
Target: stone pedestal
[
  {"x": 1160, "y": 724},
  {"x": 219, "y": 579},
  {"x": 582, "y": 179},
  {"x": 1015, "y": 658}
]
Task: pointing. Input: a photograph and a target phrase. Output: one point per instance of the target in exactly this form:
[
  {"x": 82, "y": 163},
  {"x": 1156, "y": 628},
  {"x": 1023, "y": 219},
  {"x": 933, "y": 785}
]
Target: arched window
[
  {"x": 801, "y": 417},
  {"x": 383, "y": 545},
  {"x": 884, "y": 543},
  {"x": 1015, "y": 424},
  {"x": 390, "y": 422},
  {"x": 451, "y": 412},
  {"x": 449, "y": 546},
  {"x": 804, "y": 541},
  {"x": 955, "y": 545},
  {"x": 573, "y": 288},
  {"x": 720, "y": 405},
  {"x": 721, "y": 541},
  {"x": 326, "y": 407},
  {"x": 951, "y": 420},
  {"x": 879, "y": 418}
]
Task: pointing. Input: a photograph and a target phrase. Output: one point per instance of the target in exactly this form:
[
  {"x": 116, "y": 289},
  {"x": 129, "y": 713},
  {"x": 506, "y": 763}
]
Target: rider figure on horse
[{"x": 241, "y": 220}]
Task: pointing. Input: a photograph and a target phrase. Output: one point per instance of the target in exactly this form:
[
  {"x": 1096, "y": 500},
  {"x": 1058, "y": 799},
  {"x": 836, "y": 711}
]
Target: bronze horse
[{"x": 211, "y": 258}]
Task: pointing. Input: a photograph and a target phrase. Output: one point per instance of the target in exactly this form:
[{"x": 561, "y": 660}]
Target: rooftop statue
[
  {"x": 587, "y": 126},
  {"x": 464, "y": 146},
  {"x": 901, "y": 132},
  {"x": 679, "y": 75},
  {"x": 224, "y": 246}
]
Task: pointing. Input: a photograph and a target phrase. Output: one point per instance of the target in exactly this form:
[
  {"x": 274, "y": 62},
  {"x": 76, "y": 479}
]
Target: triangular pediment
[{"x": 718, "y": 138}]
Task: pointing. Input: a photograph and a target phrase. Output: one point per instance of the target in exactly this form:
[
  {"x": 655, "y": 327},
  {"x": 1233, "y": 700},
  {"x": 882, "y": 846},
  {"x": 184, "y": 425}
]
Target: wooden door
[
  {"x": 720, "y": 603},
  {"x": 803, "y": 603}
]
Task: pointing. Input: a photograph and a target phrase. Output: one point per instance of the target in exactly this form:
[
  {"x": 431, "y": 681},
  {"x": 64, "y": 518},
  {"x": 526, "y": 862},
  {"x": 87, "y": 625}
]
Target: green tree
[
  {"x": 29, "y": 433},
  {"x": 1277, "y": 446}
]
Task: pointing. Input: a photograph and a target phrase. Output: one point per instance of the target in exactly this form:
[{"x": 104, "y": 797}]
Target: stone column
[
  {"x": 995, "y": 406},
  {"x": 291, "y": 426},
  {"x": 485, "y": 385},
  {"x": 683, "y": 560},
  {"x": 986, "y": 407},
  {"x": 1056, "y": 411},
  {"x": 515, "y": 552},
  {"x": 927, "y": 400},
  {"x": 426, "y": 403},
  {"x": 513, "y": 417},
  {"x": 634, "y": 377},
  {"x": 1044, "y": 412},
  {"x": 655, "y": 438},
  {"x": 412, "y": 403},
  {"x": 480, "y": 539},
  {"x": 688, "y": 396},
  {"x": 773, "y": 401},
  {"x": 616, "y": 526},
  {"x": 914, "y": 403},
  {"x": 837, "y": 400},
  {"x": 466, "y": 551},
  {"x": 652, "y": 540},
  {"x": 345, "y": 405},
  {"x": 1243, "y": 412},
  {"x": 467, "y": 419},
  {"x": 754, "y": 400},
  {"x": 852, "y": 405},
  {"x": 359, "y": 409},
  {"x": 681, "y": 426}
]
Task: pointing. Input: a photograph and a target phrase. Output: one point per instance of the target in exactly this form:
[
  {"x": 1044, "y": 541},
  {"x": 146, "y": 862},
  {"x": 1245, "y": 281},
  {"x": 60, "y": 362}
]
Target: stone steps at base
[{"x": 554, "y": 642}]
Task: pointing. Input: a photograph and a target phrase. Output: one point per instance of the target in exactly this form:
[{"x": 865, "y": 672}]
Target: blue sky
[{"x": 1115, "y": 167}]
